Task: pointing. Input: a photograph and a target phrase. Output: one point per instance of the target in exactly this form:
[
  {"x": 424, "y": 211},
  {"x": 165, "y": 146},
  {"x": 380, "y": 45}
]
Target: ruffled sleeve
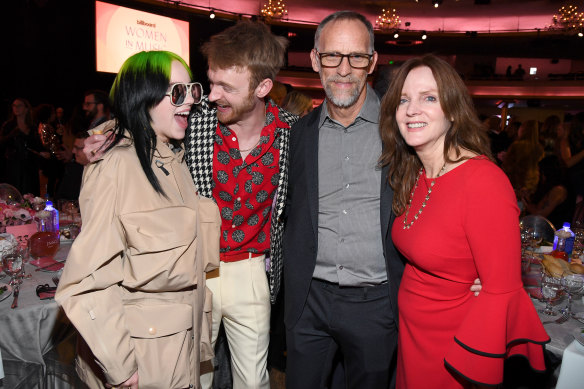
[{"x": 502, "y": 321}]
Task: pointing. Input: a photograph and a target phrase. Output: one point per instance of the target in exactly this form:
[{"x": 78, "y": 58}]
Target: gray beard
[{"x": 345, "y": 101}]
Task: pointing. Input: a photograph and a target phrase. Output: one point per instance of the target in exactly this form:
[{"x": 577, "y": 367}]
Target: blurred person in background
[
  {"x": 297, "y": 103},
  {"x": 20, "y": 149},
  {"x": 549, "y": 134},
  {"x": 552, "y": 199},
  {"x": 70, "y": 184},
  {"x": 521, "y": 159},
  {"x": 499, "y": 140},
  {"x": 96, "y": 105},
  {"x": 52, "y": 168}
]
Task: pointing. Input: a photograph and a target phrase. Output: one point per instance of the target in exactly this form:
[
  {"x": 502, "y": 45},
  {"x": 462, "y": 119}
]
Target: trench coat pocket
[
  {"x": 163, "y": 344},
  {"x": 207, "y": 352},
  {"x": 160, "y": 229},
  {"x": 209, "y": 233}
]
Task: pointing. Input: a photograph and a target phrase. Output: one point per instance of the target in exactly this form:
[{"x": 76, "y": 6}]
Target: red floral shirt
[{"x": 244, "y": 190}]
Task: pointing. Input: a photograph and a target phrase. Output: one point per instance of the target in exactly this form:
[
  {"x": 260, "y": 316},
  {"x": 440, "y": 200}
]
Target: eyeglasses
[
  {"x": 178, "y": 92},
  {"x": 332, "y": 60}
]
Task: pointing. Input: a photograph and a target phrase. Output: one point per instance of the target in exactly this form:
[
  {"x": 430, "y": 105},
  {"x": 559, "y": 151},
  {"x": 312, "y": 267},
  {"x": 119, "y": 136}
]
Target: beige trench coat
[{"x": 134, "y": 284}]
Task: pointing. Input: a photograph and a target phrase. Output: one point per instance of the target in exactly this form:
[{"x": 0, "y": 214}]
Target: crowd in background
[
  {"x": 40, "y": 150},
  {"x": 544, "y": 162}
]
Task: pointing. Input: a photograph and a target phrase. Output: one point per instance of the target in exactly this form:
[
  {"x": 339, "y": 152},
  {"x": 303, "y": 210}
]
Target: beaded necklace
[{"x": 417, "y": 215}]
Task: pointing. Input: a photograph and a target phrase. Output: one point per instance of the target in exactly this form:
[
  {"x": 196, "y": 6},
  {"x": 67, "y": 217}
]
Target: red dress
[{"x": 468, "y": 229}]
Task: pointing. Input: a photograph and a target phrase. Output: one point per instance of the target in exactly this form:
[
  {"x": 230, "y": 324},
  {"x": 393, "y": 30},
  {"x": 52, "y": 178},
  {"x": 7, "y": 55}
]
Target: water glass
[
  {"x": 12, "y": 266},
  {"x": 573, "y": 284},
  {"x": 551, "y": 288}
]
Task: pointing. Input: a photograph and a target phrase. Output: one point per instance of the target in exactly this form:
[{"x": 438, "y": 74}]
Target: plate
[
  {"x": 544, "y": 249},
  {"x": 578, "y": 334},
  {"x": 7, "y": 292}
]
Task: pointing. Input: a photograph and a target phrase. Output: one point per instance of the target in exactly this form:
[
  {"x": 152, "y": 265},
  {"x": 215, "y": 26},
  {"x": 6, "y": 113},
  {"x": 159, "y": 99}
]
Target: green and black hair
[{"x": 140, "y": 85}]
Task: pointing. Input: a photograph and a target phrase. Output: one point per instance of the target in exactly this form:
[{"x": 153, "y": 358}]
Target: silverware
[
  {"x": 560, "y": 320},
  {"x": 15, "y": 301}
]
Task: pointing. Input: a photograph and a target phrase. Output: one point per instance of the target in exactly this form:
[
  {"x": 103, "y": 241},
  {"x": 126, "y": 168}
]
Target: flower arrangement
[{"x": 14, "y": 214}]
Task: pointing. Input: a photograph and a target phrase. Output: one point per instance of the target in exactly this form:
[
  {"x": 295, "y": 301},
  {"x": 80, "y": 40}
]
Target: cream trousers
[{"x": 241, "y": 298}]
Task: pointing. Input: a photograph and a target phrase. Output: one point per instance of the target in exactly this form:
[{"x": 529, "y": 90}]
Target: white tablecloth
[
  {"x": 572, "y": 370},
  {"x": 35, "y": 326}
]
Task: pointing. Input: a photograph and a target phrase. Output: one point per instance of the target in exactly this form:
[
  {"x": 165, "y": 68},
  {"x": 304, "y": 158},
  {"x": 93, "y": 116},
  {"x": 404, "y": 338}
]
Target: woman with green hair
[{"x": 134, "y": 283}]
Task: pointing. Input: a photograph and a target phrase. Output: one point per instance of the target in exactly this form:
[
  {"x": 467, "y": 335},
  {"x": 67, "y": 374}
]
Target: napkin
[{"x": 47, "y": 264}]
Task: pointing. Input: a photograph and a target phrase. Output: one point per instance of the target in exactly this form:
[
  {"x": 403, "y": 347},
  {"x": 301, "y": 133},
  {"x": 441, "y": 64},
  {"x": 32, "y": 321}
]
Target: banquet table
[
  {"x": 30, "y": 331},
  {"x": 562, "y": 344}
]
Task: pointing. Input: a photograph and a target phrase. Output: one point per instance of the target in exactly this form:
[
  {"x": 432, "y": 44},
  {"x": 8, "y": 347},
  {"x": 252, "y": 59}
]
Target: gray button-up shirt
[{"x": 350, "y": 251}]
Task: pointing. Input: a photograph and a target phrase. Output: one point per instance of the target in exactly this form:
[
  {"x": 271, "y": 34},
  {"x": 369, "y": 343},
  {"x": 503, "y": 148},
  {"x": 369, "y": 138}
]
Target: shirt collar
[
  {"x": 165, "y": 151},
  {"x": 369, "y": 111}
]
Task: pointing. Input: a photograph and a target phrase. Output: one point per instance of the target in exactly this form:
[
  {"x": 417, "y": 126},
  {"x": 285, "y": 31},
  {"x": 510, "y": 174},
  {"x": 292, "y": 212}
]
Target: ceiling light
[
  {"x": 212, "y": 15},
  {"x": 436, "y": 3},
  {"x": 396, "y": 35},
  {"x": 424, "y": 35},
  {"x": 275, "y": 9},
  {"x": 568, "y": 19},
  {"x": 388, "y": 20}
]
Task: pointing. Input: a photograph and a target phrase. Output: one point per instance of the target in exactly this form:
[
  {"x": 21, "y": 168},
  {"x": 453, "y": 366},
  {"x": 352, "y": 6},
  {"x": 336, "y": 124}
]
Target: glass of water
[{"x": 12, "y": 266}]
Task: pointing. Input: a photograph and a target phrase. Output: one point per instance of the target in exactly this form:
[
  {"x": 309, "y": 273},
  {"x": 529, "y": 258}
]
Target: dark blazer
[{"x": 301, "y": 225}]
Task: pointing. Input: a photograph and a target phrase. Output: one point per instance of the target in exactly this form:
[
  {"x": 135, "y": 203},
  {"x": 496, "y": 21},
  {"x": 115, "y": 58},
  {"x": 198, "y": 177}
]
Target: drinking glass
[
  {"x": 536, "y": 239},
  {"x": 573, "y": 284},
  {"x": 12, "y": 265},
  {"x": 551, "y": 288},
  {"x": 525, "y": 239}
]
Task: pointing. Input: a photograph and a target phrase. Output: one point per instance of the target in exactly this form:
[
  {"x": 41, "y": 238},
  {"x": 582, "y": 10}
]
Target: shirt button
[
  {"x": 344, "y": 211},
  {"x": 233, "y": 226},
  {"x": 152, "y": 331},
  {"x": 239, "y": 199},
  {"x": 346, "y": 157},
  {"x": 234, "y": 139},
  {"x": 341, "y": 267}
]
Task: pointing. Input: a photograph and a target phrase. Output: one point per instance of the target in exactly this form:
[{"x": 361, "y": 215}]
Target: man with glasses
[
  {"x": 97, "y": 107},
  {"x": 340, "y": 267},
  {"x": 237, "y": 151}
]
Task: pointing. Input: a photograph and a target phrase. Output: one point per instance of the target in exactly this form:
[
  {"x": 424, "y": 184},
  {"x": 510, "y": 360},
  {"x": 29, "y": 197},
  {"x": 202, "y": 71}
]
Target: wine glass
[
  {"x": 12, "y": 265},
  {"x": 24, "y": 251},
  {"x": 536, "y": 239},
  {"x": 550, "y": 290},
  {"x": 525, "y": 239},
  {"x": 573, "y": 284}
]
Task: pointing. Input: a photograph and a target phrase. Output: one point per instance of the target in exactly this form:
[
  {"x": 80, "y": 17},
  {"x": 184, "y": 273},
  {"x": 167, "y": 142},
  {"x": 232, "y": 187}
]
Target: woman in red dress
[{"x": 457, "y": 220}]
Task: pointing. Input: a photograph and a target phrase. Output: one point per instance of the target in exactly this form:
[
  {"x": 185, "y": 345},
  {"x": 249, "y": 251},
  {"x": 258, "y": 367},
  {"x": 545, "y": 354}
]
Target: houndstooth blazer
[{"x": 199, "y": 143}]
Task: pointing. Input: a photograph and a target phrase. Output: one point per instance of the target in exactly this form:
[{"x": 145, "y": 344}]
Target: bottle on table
[
  {"x": 563, "y": 242},
  {"x": 46, "y": 242}
]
